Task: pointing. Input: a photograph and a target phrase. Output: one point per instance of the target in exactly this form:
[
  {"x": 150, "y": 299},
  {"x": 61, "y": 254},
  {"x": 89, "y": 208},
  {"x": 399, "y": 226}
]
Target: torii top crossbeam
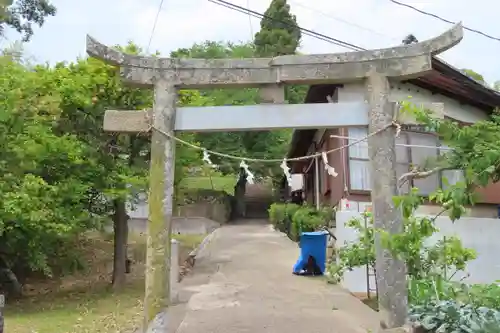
[{"x": 402, "y": 62}]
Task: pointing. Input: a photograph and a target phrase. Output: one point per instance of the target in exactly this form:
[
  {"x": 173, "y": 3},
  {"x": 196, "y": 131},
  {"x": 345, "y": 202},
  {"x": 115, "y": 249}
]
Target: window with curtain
[{"x": 359, "y": 165}]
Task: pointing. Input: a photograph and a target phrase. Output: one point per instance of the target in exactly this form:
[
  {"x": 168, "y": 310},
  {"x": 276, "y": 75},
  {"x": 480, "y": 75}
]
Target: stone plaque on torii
[{"x": 166, "y": 76}]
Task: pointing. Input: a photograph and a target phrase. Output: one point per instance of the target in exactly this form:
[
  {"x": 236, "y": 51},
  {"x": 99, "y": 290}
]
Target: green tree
[
  {"x": 22, "y": 14},
  {"x": 117, "y": 164},
  {"x": 410, "y": 39},
  {"x": 44, "y": 178},
  {"x": 496, "y": 85},
  {"x": 111, "y": 168},
  {"x": 476, "y": 76},
  {"x": 91, "y": 87},
  {"x": 279, "y": 33}
]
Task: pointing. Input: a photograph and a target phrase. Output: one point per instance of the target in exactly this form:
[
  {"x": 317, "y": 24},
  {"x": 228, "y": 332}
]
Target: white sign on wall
[{"x": 297, "y": 181}]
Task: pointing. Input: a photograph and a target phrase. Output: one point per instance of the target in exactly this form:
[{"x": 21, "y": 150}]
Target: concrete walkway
[{"x": 242, "y": 282}]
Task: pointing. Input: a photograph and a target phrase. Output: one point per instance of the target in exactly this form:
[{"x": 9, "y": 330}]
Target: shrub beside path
[{"x": 242, "y": 282}]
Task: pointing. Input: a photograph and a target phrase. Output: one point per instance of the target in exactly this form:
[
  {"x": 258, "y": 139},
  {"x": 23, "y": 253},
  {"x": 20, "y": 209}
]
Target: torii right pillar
[{"x": 391, "y": 275}]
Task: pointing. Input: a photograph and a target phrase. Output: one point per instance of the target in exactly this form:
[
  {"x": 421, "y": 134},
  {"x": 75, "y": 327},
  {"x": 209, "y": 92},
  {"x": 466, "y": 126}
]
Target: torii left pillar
[
  {"x": 160, "y": 200},
  {"x": 161, "y": 196}
]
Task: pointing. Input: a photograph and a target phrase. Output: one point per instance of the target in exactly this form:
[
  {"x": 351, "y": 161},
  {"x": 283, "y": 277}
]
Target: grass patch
[
  {"x": 84, "y": 302},
  {"x": 97, "y": 310},
  {"x": 219, "y": 183}
]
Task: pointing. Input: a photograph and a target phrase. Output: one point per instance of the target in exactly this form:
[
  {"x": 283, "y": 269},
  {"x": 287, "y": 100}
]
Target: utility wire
[
  {"x": 250, "y": 21},
  {"x": 154, "y": 25},
  {"x": 342, "y": 20},
  {"x": 444, "y": 20},
  {"x": 305, "y": 31}
]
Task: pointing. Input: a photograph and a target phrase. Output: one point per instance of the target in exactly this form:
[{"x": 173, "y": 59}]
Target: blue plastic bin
[{"x": 312, "y": 244}]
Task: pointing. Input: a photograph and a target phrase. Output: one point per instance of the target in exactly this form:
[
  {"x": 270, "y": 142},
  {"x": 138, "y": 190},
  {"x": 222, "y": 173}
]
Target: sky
[{"x": 366, "y": 23}]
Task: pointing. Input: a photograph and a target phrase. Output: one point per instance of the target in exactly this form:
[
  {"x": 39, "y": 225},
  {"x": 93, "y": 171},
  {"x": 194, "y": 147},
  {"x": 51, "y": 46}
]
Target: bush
[
  {"x": 438, "y": 288},
  {"x": 440, "y": 305},
  {"x": 455, "y": 317},
  {"x": 277, "y": 212},
  {"x": 293, "y": 219},
  {"x": 306, "y": 219},
  {"x": 487, "y": 295},
  {"x": 280, "y": 215},
  {"x": 290, "y": 210},
  {"x": 422, "y": 260}
]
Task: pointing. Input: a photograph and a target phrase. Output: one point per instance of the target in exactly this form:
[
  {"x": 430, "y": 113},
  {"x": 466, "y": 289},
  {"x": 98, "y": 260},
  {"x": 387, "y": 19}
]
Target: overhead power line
[
  {"x": 250, "y": 20},
  {"x": 305, "y": 31},
  {"x": 444, "y": 20},
  {"x": 154, "y": 25},
  {"x": 342, "y": 20}
]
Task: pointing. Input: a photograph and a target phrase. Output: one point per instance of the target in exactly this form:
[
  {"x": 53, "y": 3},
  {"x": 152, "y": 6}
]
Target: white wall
[
  {"x": 480, "y": 234},
  {"x": 140, "y": 211},
  {"x": 400, "y": 92}
]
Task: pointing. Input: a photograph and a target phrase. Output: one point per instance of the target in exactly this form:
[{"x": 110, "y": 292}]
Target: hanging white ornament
[
  {"x": 250, "y": 176},
  {"x": 331, "y": 170},
  {"x": 206, "y": 159},
  {"x": 286, "y": 171}
]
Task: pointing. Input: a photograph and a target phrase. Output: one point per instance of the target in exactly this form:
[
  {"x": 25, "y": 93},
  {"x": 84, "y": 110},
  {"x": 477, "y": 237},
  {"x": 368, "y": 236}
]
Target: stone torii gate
[{"x": 166, "y": 76}]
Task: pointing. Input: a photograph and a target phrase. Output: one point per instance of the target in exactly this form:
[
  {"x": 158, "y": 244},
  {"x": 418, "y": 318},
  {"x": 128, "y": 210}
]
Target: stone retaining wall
[{"x": 215, "y": 211}]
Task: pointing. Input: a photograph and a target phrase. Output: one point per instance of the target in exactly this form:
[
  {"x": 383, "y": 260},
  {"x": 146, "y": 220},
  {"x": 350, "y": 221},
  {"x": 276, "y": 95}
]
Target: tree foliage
[
  {"x": 422, "y": 259},
  {"x": 21, "y": 15},
  {"x": 496, "y": 85},
  {"x": 45, "y": 175},
  {"x": 279, "y": 33},
  {"x": 61, "y": 174},
  {"x": 257, "y": 144},
  {"x": 410, "y": 39},
  {"x": 472, "y": 74}
]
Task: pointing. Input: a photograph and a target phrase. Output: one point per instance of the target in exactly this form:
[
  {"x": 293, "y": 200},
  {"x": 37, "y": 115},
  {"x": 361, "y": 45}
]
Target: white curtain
[{"x": 359, "y": 164}]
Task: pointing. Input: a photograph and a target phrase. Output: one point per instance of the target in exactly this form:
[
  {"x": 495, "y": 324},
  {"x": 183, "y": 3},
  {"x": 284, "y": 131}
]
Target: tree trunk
[
  {"x": 120, "y": 260},
  {"x": 2, "y": 305},
  {"x": 239, "y": 195},
  {"x": 10, "y": 283}
]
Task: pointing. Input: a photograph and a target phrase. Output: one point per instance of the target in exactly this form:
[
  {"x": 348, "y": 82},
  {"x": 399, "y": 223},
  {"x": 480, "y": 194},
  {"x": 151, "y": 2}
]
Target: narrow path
[{"x": 242, "y": 282}]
